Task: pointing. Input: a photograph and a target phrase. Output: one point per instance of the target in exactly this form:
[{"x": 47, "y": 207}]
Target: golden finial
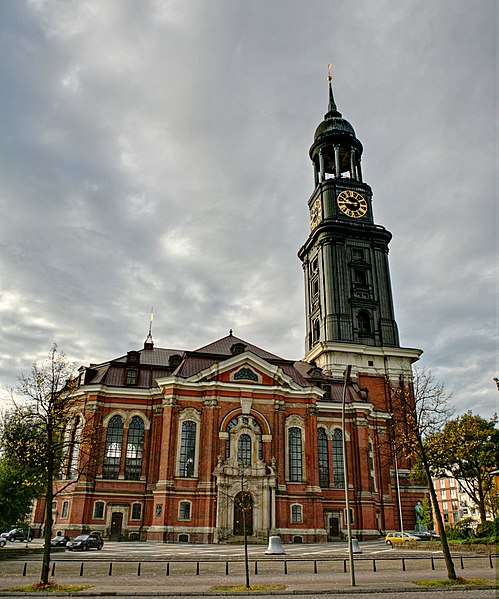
[{"x": 329, "y": 76}]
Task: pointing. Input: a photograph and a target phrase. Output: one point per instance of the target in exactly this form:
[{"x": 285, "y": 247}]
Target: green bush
[
  {"x": 486, "y": 529},
  {"x": 487, "y": 532}
]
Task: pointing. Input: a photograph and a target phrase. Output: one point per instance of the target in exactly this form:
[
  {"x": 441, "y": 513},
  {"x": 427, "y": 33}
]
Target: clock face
[
  {"x": 315, "y": 213},
  {"x": 352, "y": 203}
]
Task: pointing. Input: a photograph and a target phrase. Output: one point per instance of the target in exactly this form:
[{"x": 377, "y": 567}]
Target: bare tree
[
  {"x": 424, "y": 408},
  {"x": 243, "y": 500},
  {"x": 47, "y": 402}
]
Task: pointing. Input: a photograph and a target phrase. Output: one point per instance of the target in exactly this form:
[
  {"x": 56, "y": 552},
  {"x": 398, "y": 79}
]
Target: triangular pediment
[
  {"x": 244, "y": 369},
  {"x": 359, "y": 263}
]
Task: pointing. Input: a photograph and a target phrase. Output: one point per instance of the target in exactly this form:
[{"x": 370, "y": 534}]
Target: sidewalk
[{"x": 305, "y": 583}]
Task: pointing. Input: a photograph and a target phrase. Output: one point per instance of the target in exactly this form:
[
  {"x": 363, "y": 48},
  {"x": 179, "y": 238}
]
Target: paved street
[{"x": 172, "y": 570}]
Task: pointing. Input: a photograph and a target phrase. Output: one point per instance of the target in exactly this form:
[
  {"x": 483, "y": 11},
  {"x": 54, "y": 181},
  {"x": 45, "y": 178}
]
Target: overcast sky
[{"x": 155, "y": 153}]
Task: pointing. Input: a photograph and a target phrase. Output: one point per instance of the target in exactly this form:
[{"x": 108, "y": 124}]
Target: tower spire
[
  {"x": 149, "y": 343},
  {"x": 332, "y": 110}
]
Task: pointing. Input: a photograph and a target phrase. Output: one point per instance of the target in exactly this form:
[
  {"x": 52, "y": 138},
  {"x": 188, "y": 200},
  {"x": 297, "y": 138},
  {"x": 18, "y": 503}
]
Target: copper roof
[{"x": 155, "y": 364}]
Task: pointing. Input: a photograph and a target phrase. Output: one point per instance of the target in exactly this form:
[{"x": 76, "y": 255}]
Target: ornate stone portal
[{"x": 245, "y": 485}]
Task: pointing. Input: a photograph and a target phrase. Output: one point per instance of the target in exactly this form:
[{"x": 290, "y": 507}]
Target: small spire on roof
[
  {"x": 230, "y": 332},
  {"x": 149, "y": 343}
]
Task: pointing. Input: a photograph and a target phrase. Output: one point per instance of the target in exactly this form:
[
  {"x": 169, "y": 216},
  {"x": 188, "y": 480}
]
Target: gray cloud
[{"x": 156, "y": 153}]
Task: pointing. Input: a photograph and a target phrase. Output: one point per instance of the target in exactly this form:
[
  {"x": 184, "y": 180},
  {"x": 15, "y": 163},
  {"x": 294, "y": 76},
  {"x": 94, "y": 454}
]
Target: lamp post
[{"x": 346, "y": 377}]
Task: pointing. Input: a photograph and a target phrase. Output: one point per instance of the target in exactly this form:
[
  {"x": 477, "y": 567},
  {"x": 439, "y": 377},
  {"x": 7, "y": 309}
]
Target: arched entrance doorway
[{"x": 243, "y": 513}]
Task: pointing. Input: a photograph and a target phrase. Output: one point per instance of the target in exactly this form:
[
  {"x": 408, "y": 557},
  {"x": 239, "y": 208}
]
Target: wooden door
[
  {"x": 334, "y": 526},
  {"x": 243, "y": 512},
  {"x": 116, "y": 526}
]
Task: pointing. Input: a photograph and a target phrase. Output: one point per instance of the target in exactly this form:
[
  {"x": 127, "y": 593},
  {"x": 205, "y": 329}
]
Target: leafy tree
[
  {"x": 423, "y": 408},
  {"x": 48, "y": 432},
  {"x": 19, "y": 487},
  {"x": 466, "y": 449},
  {"x": 427, "y": 519},
  {"x": 21, "y": 478}
]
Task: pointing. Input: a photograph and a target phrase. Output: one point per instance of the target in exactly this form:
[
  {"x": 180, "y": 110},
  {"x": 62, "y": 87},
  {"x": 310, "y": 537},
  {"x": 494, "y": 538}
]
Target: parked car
[
  {"x": 59, "y": 540},
  {"x": 85, "y": 542},
  {"x": 396, "y": 537},
  {"x": 426, "y": 536},
  {"x": 18, "y": 534}
]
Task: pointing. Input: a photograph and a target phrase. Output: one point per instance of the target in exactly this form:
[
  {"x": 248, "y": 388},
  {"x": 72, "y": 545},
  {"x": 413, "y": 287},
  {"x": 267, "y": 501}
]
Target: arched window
[
  {"x": 323, "y": 458},
  {"x": 296, "y": 513},
  {"x": 255, "y": 434},
  {"x": 338, "y": 470},
  {"x": 364, "y": 323},
  {"x": 74, "y": 447},
  {"x": 184, "y": 510},
  {"x": 134, "y": 448},
  {"x": 244, "y": 450},
  {"x": 372, "y": 467},
  {"x": 112, "y": 452},
  {"x": 316, "y": 330},
  {"x": 187, "y": 449},
  {"x": 295, "y": 454},
  {"x": 136, "y": 511}
]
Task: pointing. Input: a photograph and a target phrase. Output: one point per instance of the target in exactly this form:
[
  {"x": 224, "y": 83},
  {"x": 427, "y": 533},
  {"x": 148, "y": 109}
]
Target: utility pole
[{"x": 346, "y": 378}]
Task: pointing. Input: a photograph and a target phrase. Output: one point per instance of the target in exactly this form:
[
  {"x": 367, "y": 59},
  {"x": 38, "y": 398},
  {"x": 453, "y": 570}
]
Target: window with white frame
[
  {"x": 134, "y": 448},
  {"x": 112, "y": 451},
  {"x": 296, "y": 513},
  {"x": 98, "y": 510},
  {"x": 323, "y": 455},
  {"x": 351, "y": 516},
  {"x": 65, "y": 509},
  {"x": 295, "y": 454},
  {"x": 136, "y": 511},
  {"x": 372, "y": 467},
  {"x": 244, "y": 436},
  {"x": 244, "y": 450},
  {"x": 187, "y": 449},
  {"x": 74, "y": 447},
  {"x": 184, "y": 510},
  {"x": 338, "y": 466}
]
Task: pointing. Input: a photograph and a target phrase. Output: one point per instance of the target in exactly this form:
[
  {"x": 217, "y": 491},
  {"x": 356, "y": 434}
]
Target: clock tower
[{"x": 350, "y": 317}]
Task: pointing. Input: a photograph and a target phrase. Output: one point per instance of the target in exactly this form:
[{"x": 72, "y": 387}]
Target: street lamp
[{"x": 346, "y": 377}]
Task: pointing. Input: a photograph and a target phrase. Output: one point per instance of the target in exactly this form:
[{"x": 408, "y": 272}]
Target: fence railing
[{"x": 285, "y": 565}]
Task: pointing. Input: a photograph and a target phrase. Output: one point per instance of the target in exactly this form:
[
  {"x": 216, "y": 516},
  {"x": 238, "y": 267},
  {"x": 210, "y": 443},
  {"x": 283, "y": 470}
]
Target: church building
[{"x": 200, "y": 445}]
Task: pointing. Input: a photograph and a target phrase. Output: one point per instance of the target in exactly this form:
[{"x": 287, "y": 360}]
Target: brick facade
[{"x": 243, "y": 405}]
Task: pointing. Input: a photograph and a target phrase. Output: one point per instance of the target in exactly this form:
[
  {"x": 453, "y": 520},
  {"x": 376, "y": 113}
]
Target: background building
[
  {"x": 194, "y": 443},
  {"x": 455, "y": 503}
]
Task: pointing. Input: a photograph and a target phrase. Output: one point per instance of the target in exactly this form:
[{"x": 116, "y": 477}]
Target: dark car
[
  {"x": 85, "y": 542},
  {"x": 59, "y": 541},
  {"x": 426, "y": 536},
  {"x": 18, "y": 534}
]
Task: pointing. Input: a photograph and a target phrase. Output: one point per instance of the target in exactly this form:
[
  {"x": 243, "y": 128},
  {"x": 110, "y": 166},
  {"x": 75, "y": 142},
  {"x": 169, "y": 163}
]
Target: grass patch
[
  {"x": 241, "y": 588},
  {"x": 447, "y": 582},
  {"x": 51, "y": 587}
]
